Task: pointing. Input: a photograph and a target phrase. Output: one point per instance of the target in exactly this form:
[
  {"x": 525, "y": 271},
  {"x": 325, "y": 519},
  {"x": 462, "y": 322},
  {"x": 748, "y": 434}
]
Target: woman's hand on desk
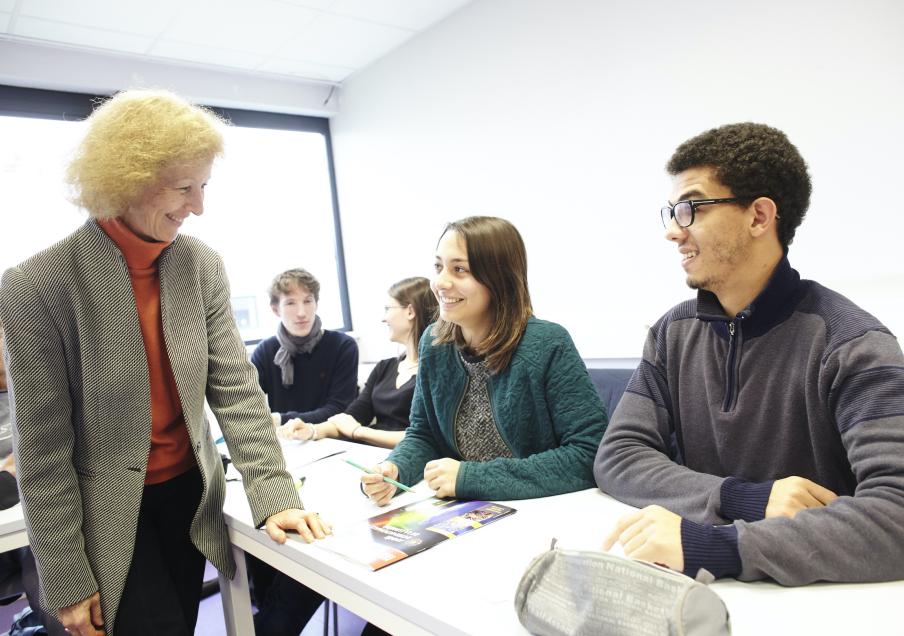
[
  {"x": 374, "y": 486},
  {"x": 441, "y": 475},
  {"x": 296, "y": 429},
  {"x": 9, "y": 464},
  {"x": 345, "y": 424},
  {"x": 83, "y": 618},
  {"x": 307, "y": 524},
  {"x": 305, "y": 432}
]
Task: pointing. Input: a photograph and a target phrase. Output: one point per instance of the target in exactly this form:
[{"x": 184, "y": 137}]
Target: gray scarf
[{"x": 289, "y": 345}]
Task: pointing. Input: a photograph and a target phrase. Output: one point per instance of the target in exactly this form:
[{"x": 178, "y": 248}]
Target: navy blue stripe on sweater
[
  {"x": 869, "y": 395},
  {"x": 647, "y": 381},
  {"x": 683, "y": 311},
  {"x": 744, "y": 500},
  {"x": 714, "y": 548},
  {"x": 844, "y": 320}
]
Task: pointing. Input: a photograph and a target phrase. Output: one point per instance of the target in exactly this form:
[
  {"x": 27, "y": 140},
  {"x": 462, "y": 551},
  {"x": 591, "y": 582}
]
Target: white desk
[
  {"x": 467, "y": 585},
  {"x": 12, "y": 529}
]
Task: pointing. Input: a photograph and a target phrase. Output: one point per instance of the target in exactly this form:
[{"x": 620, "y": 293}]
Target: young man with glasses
[{"x": 766, "y": 419}]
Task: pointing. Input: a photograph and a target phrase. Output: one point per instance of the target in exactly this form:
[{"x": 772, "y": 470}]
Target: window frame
[{"x": 38, "y": 103}]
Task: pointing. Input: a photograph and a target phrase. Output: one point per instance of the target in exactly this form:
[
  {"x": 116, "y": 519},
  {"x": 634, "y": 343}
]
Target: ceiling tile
[
  {"x": 80, "y": 36},
  {"x": 318, "y": 39},
  {"x": 143, "y": 18},
  {"x": 407, "y": 14},
  {"x": 238, "y": 25},
  {"x": 317, "y": 5},
  {"x": 205, "y": 54},
  {"x": 308, "y": 70},
  {"x": 340, "y": 41}
]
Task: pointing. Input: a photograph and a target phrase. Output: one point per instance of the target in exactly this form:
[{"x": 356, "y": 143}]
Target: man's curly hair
[{"x": 753, "y": 160}]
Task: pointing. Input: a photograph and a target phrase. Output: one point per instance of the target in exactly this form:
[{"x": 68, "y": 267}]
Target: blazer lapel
[
  {"x": 184, "y": 329},
  {"x": 109, "y": 318}
]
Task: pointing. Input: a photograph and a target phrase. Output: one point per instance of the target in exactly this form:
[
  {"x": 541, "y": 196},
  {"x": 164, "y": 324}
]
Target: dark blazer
[{"x": 79, "y": 385}]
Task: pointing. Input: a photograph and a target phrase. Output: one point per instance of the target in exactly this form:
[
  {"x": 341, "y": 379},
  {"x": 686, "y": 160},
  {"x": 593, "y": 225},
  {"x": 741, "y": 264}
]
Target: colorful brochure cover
[{"x": 400, "y": 533}]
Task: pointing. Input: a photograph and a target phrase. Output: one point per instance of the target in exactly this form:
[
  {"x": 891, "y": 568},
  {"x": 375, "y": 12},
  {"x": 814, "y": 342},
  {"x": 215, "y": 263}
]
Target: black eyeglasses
[{"x": 683, "y": 212}]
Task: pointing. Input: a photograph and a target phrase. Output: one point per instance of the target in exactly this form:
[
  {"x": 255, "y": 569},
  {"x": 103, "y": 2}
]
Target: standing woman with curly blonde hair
[{"x": 115, "y": 337}]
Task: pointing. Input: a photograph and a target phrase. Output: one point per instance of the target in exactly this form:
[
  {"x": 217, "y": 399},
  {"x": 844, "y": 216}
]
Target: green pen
[{"x": 385, "y": 478}]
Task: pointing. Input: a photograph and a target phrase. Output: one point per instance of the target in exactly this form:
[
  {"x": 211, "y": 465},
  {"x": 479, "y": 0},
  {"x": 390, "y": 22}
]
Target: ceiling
[{"x": 319, "y": 40}]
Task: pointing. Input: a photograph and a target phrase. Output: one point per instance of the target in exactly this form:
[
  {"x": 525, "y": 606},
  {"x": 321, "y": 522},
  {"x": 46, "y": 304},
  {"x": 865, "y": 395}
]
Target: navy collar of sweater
[{"x": 773, "y": 305}]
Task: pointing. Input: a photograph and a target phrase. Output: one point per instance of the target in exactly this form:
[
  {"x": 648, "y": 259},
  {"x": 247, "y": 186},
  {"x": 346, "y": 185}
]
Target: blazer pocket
[{"x": 86, "y": 472}]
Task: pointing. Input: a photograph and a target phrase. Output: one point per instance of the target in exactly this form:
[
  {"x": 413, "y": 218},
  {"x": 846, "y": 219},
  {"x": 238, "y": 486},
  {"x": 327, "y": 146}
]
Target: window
[{"x": 270, "y": 205}]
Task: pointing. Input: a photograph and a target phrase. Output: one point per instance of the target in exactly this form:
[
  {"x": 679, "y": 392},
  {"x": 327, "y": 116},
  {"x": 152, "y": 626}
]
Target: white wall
[{"x": 560, "y": 115}]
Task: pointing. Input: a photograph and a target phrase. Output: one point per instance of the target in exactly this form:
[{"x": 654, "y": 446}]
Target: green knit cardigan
[{"x": 545, "y": 406}]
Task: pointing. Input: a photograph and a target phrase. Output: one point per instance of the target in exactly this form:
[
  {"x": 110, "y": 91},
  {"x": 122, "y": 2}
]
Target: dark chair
[{"x": 610, "y": 384}]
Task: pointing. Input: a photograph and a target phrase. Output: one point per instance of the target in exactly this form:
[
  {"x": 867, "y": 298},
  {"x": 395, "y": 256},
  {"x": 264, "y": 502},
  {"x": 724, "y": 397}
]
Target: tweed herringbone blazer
[{"x": 82, "y": 416}]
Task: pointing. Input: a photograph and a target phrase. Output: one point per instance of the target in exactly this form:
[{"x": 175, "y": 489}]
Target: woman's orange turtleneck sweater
[{"x": 171, "y": 453}]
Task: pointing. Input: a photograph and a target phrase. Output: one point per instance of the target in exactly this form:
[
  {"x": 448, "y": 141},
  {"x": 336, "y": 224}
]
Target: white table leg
[{"x": 236, "y": 599}]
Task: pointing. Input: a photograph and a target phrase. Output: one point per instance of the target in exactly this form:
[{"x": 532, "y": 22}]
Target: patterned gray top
[{"x": 476, "y": 433}]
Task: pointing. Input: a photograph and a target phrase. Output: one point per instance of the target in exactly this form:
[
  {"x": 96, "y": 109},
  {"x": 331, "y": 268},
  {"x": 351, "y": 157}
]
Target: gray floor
[
  {"x": 210, "y": 621},
  {"x": 8, "y": 611},
  {"x": 210, "y": 617}
]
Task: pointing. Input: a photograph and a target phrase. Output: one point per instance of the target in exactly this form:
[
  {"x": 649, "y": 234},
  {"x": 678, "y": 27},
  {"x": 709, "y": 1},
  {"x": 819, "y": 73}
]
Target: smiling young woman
[{"x": 504, "y": 408}]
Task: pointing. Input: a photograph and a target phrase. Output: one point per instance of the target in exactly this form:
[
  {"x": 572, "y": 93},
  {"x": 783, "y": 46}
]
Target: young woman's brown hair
[
  {"x": 416, "y": 292},
  {"x": 498, "y": 260}
]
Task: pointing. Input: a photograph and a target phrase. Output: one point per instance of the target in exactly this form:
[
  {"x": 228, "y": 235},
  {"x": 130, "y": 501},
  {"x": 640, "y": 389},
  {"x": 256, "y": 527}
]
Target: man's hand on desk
[
  {"x": 307, "y": 524},
  {"x": 793, "y": 494},
  {"x": 651, "y": 534},
  {"x": 441, "y": 474},
  {"x": 374, "y": 487}
]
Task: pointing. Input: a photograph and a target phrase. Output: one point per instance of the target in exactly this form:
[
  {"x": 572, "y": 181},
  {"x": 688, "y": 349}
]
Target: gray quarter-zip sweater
[{"x": 802, "y": 382}]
